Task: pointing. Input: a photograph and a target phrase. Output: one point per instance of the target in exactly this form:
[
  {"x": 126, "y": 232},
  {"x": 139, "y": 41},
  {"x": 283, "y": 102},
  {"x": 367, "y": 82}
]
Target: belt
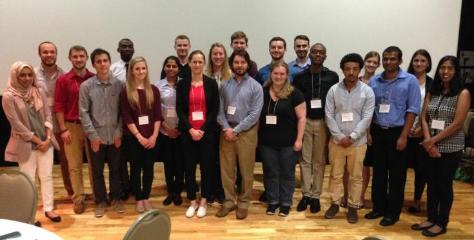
[
  {"x": 387, "y": 127},
  {"x": 73, "y": 121},
  {"x": 233, "y": 125}
]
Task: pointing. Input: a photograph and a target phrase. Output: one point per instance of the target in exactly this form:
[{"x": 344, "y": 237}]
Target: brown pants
[
  {"x": 241, "y": 153},
  {"x": 64, "y": 165}
]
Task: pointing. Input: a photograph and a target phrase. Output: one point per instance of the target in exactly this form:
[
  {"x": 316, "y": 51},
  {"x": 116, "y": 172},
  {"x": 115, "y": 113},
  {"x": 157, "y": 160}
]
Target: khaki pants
[
  {"x": 353, "y": 158},
  {"x": 241, "y": 152},
  {"x": 74, "y": 154},
  {"x": 313, "y": 161}
]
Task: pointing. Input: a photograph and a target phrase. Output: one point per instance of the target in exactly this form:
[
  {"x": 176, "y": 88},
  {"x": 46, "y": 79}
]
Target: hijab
[{"x": 29, "y": 94}]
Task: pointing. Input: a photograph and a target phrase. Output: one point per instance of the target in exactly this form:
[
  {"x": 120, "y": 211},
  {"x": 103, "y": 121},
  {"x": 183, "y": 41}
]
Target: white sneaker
[
  {"x": 201, "y": 212},
  {"x": 191, "y": 211}
]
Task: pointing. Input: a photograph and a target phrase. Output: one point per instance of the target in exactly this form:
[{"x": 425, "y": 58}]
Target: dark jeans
[
  {"x": 111, "y": 155},
  {"x": 417, "y": 158},
  {"x": 202, "y": 151},
  {"x": 389, "y": 172},
  {"x": 124, "y": 172},
  {"x": 279, "y": 174},
  {"x": 440, "y": 186},
  {"x": 142, "y": 160},
  {"x": 172, "y": 156},
  {"x": 217, "y": 191}
]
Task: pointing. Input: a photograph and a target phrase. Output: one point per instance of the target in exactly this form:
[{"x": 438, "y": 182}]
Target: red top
[
  {"x": 66, "y": 94},
  {"x": 197, "y": 103},
  {"x": 132, "y": 115}
]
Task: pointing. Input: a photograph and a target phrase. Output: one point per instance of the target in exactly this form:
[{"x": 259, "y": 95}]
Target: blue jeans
[{"x": 279, "y": 174}]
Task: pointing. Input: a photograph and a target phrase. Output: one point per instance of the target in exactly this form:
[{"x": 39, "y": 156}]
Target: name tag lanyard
[
  {"x": 312, "y": 86},
  {"x": 142, "y": 116},
  {"x": 436, "y": 112},
  {"x": 274, "y": 107},
  {"x": 168, "y": 106},
  {"x": 232, "y": 100},
  {"x": 200, "y": 100}
]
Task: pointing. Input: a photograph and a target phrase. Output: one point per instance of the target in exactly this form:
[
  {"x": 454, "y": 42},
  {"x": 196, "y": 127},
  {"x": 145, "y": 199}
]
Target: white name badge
[
  {"x": 143, "y": 120},
  {"x": 196, "y": 116},
  {"x": 231, "y": 110},
  {"x": 271, "y": 119},
  {"x": 50, "y": 101},
  {"x": 437, "y": 124},
  {"x": 384, "y": 108},
  {"x": 316, "y": 103},
  {"x": 347, "y": 117},
  {"x": 171, "y": 113}
]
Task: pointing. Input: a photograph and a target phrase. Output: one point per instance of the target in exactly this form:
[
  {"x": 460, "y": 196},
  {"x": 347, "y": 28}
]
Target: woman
[
  {"x": 420, "y": 65},
  {"x": 371, "y": 63},
  {"x": 141, "y": 114},
  {"x": 444, "y": 112},
  {"x": 218, "y": 69},
  {"x": 169, "y": 139},
  {"x": 197, "y": 101},
  {"x": 281, "y": 131},
  {"x": 25, "y": 105}
]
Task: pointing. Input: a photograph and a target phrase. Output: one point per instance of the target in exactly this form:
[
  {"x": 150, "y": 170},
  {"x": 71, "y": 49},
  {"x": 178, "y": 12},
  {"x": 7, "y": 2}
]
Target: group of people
[{"x": 222, "y": 113}]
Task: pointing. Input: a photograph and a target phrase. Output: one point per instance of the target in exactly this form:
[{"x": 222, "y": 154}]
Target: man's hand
[
  {"x": 95, "y": 144},
  {"x": 66, "y": 137},
  {"x": 401, "y": 143}
]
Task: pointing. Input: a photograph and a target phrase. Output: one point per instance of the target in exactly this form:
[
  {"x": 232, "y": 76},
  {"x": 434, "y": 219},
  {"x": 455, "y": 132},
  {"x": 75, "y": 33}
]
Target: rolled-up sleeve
[{"x": 414, "y": 97}]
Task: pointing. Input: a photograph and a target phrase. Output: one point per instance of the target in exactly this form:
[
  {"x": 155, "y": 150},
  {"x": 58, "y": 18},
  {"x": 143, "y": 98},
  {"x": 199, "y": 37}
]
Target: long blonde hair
[
  {"x": 287, "y": 88},
  {"x": 131, "y": 86},
  {"x": 210, "y": 68}
]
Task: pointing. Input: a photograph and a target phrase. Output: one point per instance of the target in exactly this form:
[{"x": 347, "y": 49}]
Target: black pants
[
  {"x": 218, "y": 190},
  {"x": 142, "y": 161},
  {"x": 417, "y": 158},
  {"x": 111, "y": 155},
  {"x": 440, "y": 186},
  {"x": 172, "y": 156},
  {"x": 389, "y": 174},
  {"x": 202, "y": 151}
]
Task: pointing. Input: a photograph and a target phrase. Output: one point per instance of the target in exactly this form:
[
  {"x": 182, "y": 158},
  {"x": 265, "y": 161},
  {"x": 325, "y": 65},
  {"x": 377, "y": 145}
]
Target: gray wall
[{"x": 342, "y": 25}]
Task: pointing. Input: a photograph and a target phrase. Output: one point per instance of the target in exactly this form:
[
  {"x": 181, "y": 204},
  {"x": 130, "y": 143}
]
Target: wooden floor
[{"x": 258, "y": 225}]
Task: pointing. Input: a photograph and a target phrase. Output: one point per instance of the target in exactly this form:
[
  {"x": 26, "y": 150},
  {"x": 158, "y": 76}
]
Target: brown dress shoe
[
  {"x": 224, "y": 211},
  {"x": 79, "y": 207},
  {"x": 241, "y": 213}
]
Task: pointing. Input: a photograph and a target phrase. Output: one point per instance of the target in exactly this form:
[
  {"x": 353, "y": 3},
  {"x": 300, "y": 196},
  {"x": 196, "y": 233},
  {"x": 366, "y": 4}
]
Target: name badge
[
  {"x": 271, "y": 119},
  {"x": 347, "y": 117},
  {"x": 231, "y": 110},
  {"x": 171, "y": 113},
  {"x": 196, "y": 116},
  {"x": 384, "y": 108},
  {"x": 316, "y": 103},
  {"x": 437, "y": 124},
  {"x": 50, "y": 101},
  {"x": 143, "y": 120}
]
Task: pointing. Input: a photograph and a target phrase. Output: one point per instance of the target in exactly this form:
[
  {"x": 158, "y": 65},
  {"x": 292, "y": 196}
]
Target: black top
[
  {"x": 305, "y": 81},
  {"x": 184, "y": 71},
  {"x": 212, "y": 104},
  {"x": 282, "y": 134}
]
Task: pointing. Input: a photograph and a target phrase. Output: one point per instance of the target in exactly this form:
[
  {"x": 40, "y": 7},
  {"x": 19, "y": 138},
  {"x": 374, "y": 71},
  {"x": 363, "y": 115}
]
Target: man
[
  {"x": 66, "y": 102},
  {"x": 277, "y": 49},
  {"x": 47, "y": 74},
  {"x": 126, "y": 50},
  {"x": 119, "y": 71},
  {"x": 241, "y": 100},
  {"x": 239, "y": 41},
  {"x": 397, "y": 102},
  {"x": 100, "y": 117},
  {"x": 302, "y": 62},
  {"x": 349, "y": 110},
  {"x": 182, "y": 45},
  {"x": 314, "y": 82}
]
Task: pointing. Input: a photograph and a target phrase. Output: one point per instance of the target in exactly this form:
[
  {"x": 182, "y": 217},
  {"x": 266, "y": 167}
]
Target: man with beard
[
  {"x": 239, "y": 41},
  {"x": 119, "y": 69},
  {"x": 277, "y": 49},
  {"x": 66, "y": 108},
  {"x": 47, "y": 74},
  {"x": 241, "y": 101},
  {"x": 315, "y": 83},
  {"x": 302, "y": 62}
]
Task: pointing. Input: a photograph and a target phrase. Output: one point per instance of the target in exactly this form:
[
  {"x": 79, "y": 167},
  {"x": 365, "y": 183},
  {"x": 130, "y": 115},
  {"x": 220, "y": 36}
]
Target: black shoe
[
  {"x": 332, "y": 211},
  {"x": 272, "y": 208},
  {"x": 387, "y": 221},
  {"x": 220, "y": 199},
  {"x": 314, "y": 205},
  {"x": 303, "y": 204},
  {"x": 352, "y": 215},
  {"x": 373, "y": 215},
  {"x": 54, "y": 219},
  {"x": 429, "y": 233},
  {"x": 124, "y": 195},
  {"x": 263, "y": 197},
  {"x": 177, "y": 200},
  {"x": 38, "y": 224},
  {"x": 211, "y": 200},
  {"x": 418, "y": 227},
  {"x": 414, "y": 209},
  {"x": 284, "y": 211},
  {"x": 168, "y": 200}
]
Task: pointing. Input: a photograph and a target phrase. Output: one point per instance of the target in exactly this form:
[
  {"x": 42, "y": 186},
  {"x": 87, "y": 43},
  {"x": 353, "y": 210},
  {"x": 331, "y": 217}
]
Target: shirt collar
[{"x": 307, "y": 63}]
